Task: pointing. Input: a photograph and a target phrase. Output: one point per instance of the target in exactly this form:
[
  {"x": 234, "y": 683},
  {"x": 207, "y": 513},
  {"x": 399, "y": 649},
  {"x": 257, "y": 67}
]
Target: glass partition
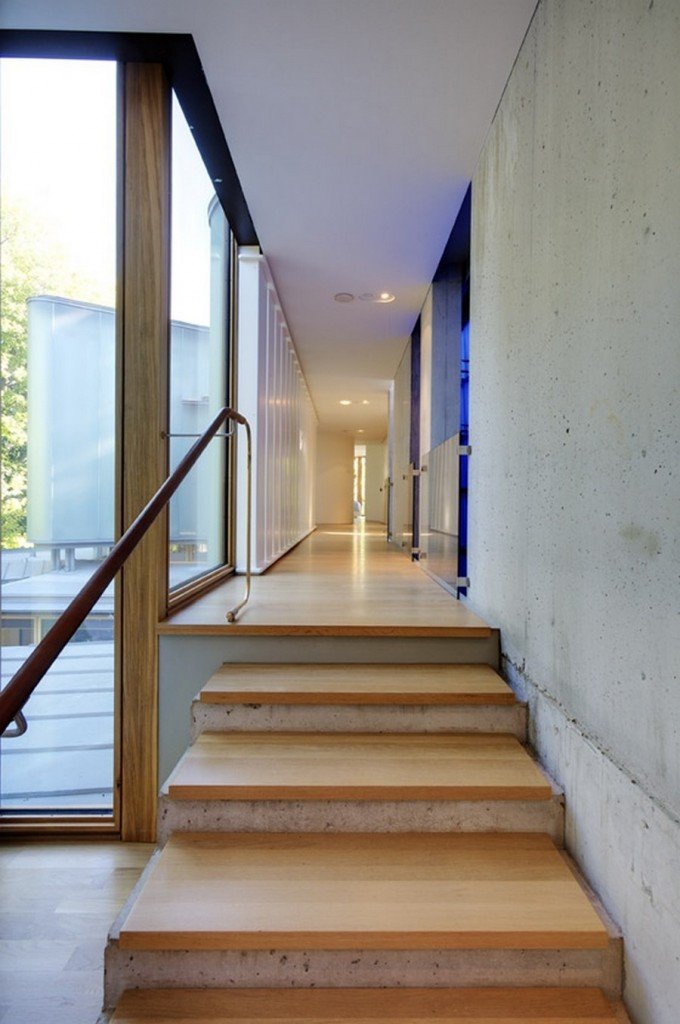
[
  {"x": 439, "y": 498},
  {"x": 58, "y": 284},
  {"x": 199, "y": 361}
]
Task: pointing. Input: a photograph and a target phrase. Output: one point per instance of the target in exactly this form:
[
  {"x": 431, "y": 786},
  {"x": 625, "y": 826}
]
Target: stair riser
[
  {"x": 361, "y": 816},
  {"x": 357, "y": 718},
  {"x": 358, "y": 968}
]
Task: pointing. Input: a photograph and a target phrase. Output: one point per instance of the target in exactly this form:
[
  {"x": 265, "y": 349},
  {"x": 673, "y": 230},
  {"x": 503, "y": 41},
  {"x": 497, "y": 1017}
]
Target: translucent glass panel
[
  {"x": 58, "y": 199},
  {"x": 199, "y": 337},
  {"x": 439, "y": 487},
  {"x": 282, "y": 452}
]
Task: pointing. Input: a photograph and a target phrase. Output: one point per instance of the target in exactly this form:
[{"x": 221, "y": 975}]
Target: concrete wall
[
  {"x": 334, "y": 477},
  {"x": 375, "y": 503},
  {"x": 575, "y": 427}
]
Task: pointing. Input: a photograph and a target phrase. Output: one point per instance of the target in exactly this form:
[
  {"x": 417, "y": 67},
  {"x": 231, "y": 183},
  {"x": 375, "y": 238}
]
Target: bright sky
[{"x": 58, "y": 144}]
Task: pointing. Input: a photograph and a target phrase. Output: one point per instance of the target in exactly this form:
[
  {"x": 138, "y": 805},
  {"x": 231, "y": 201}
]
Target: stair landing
[{"x": 339, "y": 581}]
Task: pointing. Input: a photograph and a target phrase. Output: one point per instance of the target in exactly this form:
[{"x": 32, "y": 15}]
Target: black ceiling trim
[
  {"x": 457, "y": 249},
  {"x": 179, "y": 56}
]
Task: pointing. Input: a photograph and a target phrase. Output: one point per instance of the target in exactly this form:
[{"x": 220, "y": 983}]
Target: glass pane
[
  {"x": 58, "y": 199},
  {"x": 198, "y": 358},
  {"x": 439, "y": 489}
]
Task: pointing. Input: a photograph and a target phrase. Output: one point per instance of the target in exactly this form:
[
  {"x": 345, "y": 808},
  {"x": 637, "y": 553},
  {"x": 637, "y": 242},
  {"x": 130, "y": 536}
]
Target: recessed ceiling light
[
  {"x": 381, "y": 297},
  {"x": 345, "y": 401},
  {"x": 365, "y": 401},
  {"x": 344, "y": 297},
  {"x": 361, "y": 431}
]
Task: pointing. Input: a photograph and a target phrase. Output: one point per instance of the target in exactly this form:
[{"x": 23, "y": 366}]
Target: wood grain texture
[
  {"x": 340, "y": 581},
  {"x": 357, "y": 766},
  {"x": 57, "y": 901},
  {"x": 145, "y": 325},
  {"x": 368, "y": 1006},
  {"x": 356, "y": 684},
  {"x": 350, "y": 891}
]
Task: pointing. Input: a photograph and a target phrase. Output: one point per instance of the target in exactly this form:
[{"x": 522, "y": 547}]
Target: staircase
[{"x": 348, "y": 842}]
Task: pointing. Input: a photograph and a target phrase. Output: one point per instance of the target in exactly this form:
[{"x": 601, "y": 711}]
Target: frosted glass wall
[{"x": 273, "y": 395}]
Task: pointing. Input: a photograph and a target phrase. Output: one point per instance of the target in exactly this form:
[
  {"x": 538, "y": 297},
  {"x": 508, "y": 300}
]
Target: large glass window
[
  {"x": 199, "y": 348},
  {"x": 58, "y": 209}
]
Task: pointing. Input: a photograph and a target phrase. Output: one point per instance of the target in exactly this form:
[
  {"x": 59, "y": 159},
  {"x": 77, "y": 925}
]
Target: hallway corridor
[{"x": 341, "y": 580}]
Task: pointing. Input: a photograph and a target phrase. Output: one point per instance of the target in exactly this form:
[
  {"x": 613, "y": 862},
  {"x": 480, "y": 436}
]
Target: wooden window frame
[
  {"x": 150, "y": 65},
  {"x": 184, "y": 594}
]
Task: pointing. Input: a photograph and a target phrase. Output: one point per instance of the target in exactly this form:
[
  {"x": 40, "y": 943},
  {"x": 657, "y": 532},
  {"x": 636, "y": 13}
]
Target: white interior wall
[
  {"x": 426, "y": 375},
  {"x": 334, "y": 477},
  {"x": 375, "y": 504},
  {"x": 402, "y": 504},
  {"x": 575, "y": 427},
  {"x": 272, "y": 395}
]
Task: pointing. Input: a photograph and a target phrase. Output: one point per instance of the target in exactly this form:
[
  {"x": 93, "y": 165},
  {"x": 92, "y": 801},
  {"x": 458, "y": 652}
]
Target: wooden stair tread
[
  {"x": 368, "y": 1006},
  {"x": 357, "y": 766},
  {"x": 356, "y": 684},
  {"x": 361, "y": 891}
]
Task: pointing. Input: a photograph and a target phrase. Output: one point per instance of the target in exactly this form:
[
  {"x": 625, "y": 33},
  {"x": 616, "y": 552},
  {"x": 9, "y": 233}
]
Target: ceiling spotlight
[
  {"x": 345, "y": 401},
  {"x": 344, "y": 297},
  {"x": 381, "y": 297},
  {"x": 361, "y": 431},
  {"x": 365, "y": 401}
]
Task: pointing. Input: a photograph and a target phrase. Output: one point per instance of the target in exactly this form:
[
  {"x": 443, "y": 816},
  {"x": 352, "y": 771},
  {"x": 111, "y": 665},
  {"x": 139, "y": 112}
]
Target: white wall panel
[
  {"x": 334, "y": 477},
  {"x": 402, "y": 482},
  {"x": 273, "y": 395},
  {"x": 375, "y": 498},
  {"x": 426, "y": 374}
]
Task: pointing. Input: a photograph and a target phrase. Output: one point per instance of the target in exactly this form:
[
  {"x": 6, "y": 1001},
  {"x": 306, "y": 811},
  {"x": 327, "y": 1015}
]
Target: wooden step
[
  {"x": 356, "y": 684},
  {"x": 356, "y": 766},
  {"x": 377, "y": 1006},
  {"x": 361, "y": 891}
]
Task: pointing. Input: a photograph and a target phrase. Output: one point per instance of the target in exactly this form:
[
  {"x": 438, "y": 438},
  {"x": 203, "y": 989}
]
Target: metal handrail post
[{"x": 231, "y": 615}]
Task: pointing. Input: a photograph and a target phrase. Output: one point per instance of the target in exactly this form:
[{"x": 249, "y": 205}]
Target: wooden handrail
[{"x": 27, "y": 677}]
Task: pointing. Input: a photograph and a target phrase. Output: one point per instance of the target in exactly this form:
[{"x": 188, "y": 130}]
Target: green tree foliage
[{"x": 22, "y": 276}]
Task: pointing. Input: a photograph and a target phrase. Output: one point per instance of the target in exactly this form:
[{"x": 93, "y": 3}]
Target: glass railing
[{"x": 439, "y": 502}]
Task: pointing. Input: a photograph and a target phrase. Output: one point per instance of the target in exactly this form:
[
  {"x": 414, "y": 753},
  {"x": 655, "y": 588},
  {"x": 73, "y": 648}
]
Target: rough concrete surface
[
  {"x": 361, "y": 816},
  {"x": 359, "y": 968},
  {"x": 358, "y": 718},
  {"x": 575, "y": 427}
]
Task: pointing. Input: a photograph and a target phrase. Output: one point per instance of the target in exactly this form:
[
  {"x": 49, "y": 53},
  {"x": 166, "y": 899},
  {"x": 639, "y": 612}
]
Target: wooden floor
[
  {"x": 350, "y": 891},
  {"x": 57, "y": 902},
  {"x": 357, "y": 766},
  {"x": 340, "y": 581}
]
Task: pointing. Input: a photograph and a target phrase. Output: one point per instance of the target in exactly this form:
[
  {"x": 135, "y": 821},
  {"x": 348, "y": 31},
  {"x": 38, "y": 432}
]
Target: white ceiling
[{"x": 355, "y": 127}]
